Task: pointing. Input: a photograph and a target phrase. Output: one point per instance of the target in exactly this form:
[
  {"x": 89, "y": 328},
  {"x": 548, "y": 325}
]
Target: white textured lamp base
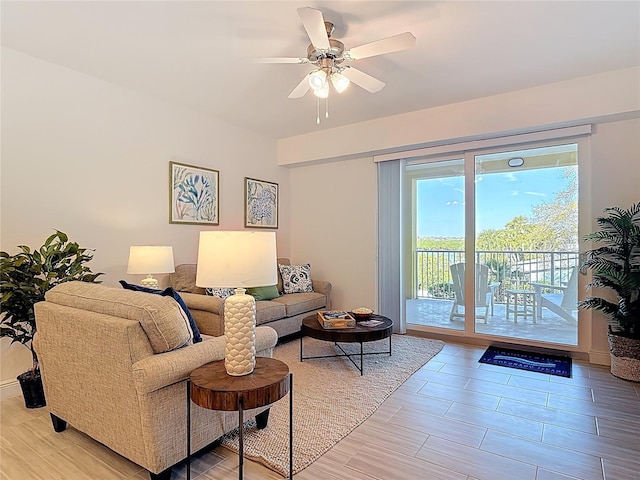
[
  {"x": 240, "y": 333},
  {"x": 149, "y": 282}
]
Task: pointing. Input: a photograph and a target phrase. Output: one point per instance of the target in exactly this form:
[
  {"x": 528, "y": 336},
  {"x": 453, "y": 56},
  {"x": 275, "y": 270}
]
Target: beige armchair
[{"x": 103, "y": 374}]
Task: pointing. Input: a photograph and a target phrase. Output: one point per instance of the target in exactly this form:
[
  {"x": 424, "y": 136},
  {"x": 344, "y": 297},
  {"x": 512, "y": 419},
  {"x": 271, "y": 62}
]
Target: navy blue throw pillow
[{"x": 168, "y": 292}]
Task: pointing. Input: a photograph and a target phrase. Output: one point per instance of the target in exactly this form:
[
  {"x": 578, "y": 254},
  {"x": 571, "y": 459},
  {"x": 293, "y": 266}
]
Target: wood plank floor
[{"x": 454, "y": 419}]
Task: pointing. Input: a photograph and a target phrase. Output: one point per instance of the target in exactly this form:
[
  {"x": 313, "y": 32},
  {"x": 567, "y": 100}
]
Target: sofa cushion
[
  {"x": 168, "y": 292},
  {"x": 296, "y": 278},
  {"x": 161, "y": 318},
  {"x": 268, "y": 310},
  {"x": 264, "y": 293},
  {"x": 296, "y": 303},
  {"x": 184, "y": 278}
]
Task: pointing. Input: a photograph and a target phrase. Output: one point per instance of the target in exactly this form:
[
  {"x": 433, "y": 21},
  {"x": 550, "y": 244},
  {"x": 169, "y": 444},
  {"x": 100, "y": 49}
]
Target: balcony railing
[{"x": 512, "y": 268}]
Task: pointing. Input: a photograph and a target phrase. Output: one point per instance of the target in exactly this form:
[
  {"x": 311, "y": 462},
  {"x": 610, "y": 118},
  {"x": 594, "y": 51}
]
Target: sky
[{"x": 499, "y": 198}]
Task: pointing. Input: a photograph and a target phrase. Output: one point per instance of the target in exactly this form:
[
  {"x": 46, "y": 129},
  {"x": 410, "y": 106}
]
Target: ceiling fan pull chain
[
  {"x": 326, "y": 107},
  {"x": 317, "y": 110}
]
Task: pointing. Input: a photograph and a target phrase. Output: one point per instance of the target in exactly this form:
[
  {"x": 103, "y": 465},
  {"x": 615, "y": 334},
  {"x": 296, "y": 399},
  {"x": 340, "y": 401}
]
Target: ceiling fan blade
[
  {"x": 281, "y": 60},
  {"x": 395, "y": 43},
  {"x": 365, "y": 81},
  {"x": 313, "y": 22},
  {"x": 301, "y": 89}
]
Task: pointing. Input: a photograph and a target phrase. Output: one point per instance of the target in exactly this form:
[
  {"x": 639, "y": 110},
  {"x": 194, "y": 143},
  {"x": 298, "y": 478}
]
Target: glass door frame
[{"x": 469, "y": 155}]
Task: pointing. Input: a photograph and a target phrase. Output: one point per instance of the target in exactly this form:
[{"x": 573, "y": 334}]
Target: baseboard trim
[
  {"x": 9, "y": 388},
  {"x": 600, "y": 358},
  {"x": 459, "y": 337}
]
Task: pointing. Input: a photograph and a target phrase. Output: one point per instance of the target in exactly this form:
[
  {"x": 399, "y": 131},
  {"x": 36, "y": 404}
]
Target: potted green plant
[
  {"x": 24, "y": 279},
  {"x": 615, "y": 266}
]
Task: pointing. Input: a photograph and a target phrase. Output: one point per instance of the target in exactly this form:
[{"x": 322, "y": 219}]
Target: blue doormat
[{"x": 534, "y": 362}]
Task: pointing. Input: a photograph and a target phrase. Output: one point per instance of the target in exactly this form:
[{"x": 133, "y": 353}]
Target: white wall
[
  {"x": 615, "y": 181},
  {"x": 92, "y": 159},
  {"x": 342, "y": 193},
  {"x": 335, "y": 227},
  {"x": 567, "y": 103}
]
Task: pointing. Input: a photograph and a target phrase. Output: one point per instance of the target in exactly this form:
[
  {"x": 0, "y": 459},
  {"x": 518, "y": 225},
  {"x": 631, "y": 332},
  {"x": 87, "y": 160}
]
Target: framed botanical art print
[
  {"x": 261, "y": 203},
  {"x": 193, "y": 195}
]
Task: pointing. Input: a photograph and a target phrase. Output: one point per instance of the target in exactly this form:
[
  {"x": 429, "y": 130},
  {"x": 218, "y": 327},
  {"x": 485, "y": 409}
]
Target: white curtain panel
[{"x": 390, "y": 300}]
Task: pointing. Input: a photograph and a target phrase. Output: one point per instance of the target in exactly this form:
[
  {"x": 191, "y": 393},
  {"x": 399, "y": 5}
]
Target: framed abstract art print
[
  {"x": 261, "y": 203},
  {"x": 193, "y": 195}
]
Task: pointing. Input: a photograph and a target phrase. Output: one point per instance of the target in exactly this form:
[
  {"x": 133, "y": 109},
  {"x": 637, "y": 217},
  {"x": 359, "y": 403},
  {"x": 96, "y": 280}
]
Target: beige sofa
[
  {"x": 284, "y": 314},
  {"x": 112, "y": 366}
]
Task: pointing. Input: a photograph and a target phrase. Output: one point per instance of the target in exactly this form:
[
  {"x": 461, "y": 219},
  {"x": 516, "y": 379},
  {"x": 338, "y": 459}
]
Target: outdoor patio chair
[
  {"x": 484, "y": 290},
  {"x": 561, "y": 303}
]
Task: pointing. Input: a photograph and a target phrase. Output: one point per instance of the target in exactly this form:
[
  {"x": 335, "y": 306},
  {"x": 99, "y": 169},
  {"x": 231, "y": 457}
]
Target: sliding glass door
[
  {"x": 494, "y": 243},
  {"x": 437, "y": 242},
  {"x": 526, "y": 217}
]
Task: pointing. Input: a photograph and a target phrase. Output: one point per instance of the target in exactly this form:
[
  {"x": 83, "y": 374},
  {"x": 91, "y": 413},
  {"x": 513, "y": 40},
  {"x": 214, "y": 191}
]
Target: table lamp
[
  {"x": 237, "y": 259},
  {"x": 147, "y": 260}
]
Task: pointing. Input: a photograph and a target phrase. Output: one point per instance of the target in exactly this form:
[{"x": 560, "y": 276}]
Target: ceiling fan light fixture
[
  {"x": 318, "y": 79},
  {"x": 322, "y": 92},
  {"x": 328, "y": 56},
  {"x": 340, "y": 82}
]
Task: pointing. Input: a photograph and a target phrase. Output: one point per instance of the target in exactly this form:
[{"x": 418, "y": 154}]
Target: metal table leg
[
  {"x": 240, "y": 440},
  {"x": 188, "y": 429},
  {"x": 290, "y": 426}
]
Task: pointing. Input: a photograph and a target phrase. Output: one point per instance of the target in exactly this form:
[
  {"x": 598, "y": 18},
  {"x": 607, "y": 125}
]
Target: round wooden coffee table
[{"x": 358, "y": 334}]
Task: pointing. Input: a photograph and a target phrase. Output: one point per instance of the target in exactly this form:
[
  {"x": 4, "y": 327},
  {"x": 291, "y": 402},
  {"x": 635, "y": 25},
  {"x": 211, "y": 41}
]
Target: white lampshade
[
  {"x": 236, "y": 259},
  {"x": 150, "y": 259},
  {"x": 340, "y": 82},
  {"x": 322, "y": 92},
  {"x": 317, "y": 79}
]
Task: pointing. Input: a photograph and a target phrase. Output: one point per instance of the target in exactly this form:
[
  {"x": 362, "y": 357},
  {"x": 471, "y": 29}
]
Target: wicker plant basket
[{"x": 625, "y": 357}]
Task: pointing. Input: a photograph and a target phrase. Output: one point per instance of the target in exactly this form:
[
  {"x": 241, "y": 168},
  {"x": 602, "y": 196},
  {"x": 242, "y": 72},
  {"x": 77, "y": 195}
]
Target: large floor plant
[
  {"x": 24, "y": 279},
  {"x": 615, "y": 267}
]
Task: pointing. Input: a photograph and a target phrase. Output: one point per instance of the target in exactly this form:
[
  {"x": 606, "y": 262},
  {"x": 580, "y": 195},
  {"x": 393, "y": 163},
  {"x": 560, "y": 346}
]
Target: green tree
[
  {"x": 517, "y": 235},
  {"x": 440, "y": 243},
  {"x": 552, "y": 226},
  {"x": 560, "y": 216}
]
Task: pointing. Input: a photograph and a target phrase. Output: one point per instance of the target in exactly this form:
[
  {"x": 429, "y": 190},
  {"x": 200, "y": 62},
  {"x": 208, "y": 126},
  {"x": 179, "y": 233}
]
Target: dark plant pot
[
  {"x": 625, "y": 357},
  {"x": 32, "y": 389}
]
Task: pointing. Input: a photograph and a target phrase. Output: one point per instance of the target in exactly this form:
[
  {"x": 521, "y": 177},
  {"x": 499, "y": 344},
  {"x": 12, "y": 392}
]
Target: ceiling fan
[{"x": 330, "y": 57}]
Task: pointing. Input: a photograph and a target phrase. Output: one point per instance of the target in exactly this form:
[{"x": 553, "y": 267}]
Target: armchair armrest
[
  {"x": 539, "y": 286},
  {"x": 323, "y": 287},
  {"x": 206, "y": 303},
  {"x": 157, "y": 371}
]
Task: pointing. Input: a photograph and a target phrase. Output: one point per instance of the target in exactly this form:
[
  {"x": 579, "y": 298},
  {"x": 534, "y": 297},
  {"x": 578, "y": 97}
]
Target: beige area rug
[{"x": 330, "y": 398}]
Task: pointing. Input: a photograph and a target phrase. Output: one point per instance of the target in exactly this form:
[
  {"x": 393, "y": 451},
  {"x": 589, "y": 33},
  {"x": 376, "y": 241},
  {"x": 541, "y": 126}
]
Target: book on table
[{"x": 336, "y": 319}]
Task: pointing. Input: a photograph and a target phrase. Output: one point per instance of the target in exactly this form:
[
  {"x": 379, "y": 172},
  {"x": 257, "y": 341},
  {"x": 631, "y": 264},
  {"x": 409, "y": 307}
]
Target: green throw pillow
[{"x": 264, "y": 293}]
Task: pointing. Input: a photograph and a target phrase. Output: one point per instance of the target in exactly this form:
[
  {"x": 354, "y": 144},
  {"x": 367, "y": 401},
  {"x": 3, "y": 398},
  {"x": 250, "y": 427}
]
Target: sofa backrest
[
  {"x": 184, "y": 278},
  {"x": 161, "y": 318}
]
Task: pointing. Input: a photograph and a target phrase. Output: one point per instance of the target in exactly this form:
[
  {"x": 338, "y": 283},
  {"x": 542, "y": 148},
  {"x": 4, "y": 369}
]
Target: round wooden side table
[{"x": 211, "y": 387}]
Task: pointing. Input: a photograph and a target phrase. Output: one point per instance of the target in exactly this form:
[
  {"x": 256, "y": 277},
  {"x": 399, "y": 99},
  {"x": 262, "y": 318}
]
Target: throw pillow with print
[
  {"x": 296, "y": 278},
  {"x": 220, "y": 292}
]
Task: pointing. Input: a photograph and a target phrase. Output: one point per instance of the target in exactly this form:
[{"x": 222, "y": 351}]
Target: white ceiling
[{"x": 198, "y": 53}]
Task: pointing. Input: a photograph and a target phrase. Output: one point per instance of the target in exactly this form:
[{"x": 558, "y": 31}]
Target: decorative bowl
[{"x": 362, "y": 313}]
